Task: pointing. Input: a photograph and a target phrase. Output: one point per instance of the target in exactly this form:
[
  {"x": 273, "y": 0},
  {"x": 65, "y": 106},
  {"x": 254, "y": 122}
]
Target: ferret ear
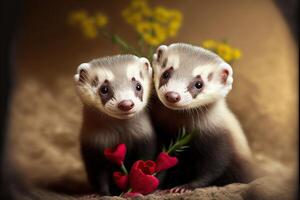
[
  {"x": 226, "y": 74},
  {"x": 159, "y": 54},
  {"x": 82, "y": 72},
  {"x": 146, "y": 66}
]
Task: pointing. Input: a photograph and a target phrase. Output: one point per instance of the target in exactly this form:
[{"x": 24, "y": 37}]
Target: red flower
[
  {"x": 147, "y": 167},
  {"x": 165, "y": 161},
  {"x": 141, "y": 179},
  {"x": 116, "y": 155},
  {"x": 121, "y": 180}
]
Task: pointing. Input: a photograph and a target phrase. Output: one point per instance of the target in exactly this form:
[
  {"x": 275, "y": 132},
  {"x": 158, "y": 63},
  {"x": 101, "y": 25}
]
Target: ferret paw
[{"x": 180, "y": 190}]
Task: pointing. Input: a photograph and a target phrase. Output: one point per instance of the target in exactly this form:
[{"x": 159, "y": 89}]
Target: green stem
[
  {"x": 183, "y": 141},
  {"x": 150, "y": 52},
  {"x": 124, "y": 170},
  {"x": 120, "y": 42},
  {"x": 173, "y": 148},
  {"x": 141, "y": 44}
]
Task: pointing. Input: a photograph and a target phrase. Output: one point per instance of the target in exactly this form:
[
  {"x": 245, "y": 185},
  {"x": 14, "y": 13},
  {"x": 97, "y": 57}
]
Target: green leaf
[
  {"x": 182, "y": 140},
  {"x": 171, "y": 144},
  {"x": 184, "y": 147}
]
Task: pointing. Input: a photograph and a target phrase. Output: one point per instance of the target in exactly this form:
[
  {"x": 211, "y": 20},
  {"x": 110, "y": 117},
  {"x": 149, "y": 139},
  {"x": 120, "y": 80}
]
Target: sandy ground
[{"x": 46, "y": 113}]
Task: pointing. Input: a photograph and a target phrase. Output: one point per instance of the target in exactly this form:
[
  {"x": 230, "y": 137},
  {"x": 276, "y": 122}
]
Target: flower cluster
[
  {"x": 141, "y": 178},
  {"x": 154, "y": 25},
  {"x": 89, "y": 24},
  {"x": 224, "y": 50}
]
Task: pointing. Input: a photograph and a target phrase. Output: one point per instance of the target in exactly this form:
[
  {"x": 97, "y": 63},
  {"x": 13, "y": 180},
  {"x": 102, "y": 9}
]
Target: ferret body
[
  {"x": 114, "y": 92},
  {"x": 191, "y": 84}
]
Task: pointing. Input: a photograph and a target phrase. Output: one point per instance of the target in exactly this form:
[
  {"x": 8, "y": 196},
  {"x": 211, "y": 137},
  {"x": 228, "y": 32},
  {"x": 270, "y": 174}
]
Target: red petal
[
  {"x": 141, "y": 182},
  {"x": 121, "y": 180},
  {"x": 117, "y": 155},
  {"x": 165, "y": 161},
  {"x": 150, "y": 167}
]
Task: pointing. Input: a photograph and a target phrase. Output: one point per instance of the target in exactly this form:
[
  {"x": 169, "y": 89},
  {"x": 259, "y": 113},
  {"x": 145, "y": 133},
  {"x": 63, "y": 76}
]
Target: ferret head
[
  {"x": 187, "y": 76},
  {"x": 118, "y": 86}
]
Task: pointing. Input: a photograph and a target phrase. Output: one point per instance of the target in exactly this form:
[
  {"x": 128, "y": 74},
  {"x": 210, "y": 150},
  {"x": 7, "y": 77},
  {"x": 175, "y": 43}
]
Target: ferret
[
  {"x": 114, "y": 92},
  {"x": 191, "y": 84}
]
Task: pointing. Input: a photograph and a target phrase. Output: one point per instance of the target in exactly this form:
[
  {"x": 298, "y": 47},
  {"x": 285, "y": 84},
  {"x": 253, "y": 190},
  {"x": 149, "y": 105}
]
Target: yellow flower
[
  {"x": 176, "y": 15},
  {"x": 88, "y": 28},
  {"x": 134, "y": 19},
  {"x": 161, "y": 14},
  {"x": 153, "y": 41},
  {"x": 173, "y": 28},
  {"x": 156, "y": 24},
  {"x": 90, "y": 32},
  {"x": 89, "y": 24},
  {"x": 237, "y": 54},
  {"x": 224, "y": 50},
  {"x": 145, "y": 11},
  {"x": 144, "y": 27},
  {"x": 209, "y": 44},
  {"x": 136, "y": 8},
  {"x": 139, "y": 4},
  {"x": 77, "y": 16},
  {"x": 227, "y": 56},
  {"x": 100, "y": 19},
  {"x": 175, "y": 23},
  {"x": 228, "y": 53},
  {"x": 152, "y": 33}
]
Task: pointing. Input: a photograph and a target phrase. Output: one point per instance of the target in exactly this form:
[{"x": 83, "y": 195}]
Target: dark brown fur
[
  {"x": 211, "y": 159},
  {"x": 136, "y": 133}
]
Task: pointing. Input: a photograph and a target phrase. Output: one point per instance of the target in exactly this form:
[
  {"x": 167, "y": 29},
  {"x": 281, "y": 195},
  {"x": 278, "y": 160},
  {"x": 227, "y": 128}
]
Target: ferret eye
[
  {"x": 138, "y": 87},
  {"x": 166, "y": 75},
  {"x": 104, "y": 89},
  {"x": 198, "y": 85}
]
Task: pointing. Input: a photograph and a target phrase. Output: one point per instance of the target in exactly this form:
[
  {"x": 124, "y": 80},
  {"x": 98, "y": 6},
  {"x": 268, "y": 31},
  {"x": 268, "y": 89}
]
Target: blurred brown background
[{"x": 46, "y": 113}]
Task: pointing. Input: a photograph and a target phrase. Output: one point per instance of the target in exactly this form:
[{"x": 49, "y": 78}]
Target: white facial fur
[
  {"x": 188, "y": 62},
  {"x": 118, "y": 71}
]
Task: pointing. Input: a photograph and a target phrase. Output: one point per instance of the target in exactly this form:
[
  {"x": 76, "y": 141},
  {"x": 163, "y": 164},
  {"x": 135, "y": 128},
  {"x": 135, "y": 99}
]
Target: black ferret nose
[
  {"x": 126, "y": 105},
  {"x": 172, "y": 97}
]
